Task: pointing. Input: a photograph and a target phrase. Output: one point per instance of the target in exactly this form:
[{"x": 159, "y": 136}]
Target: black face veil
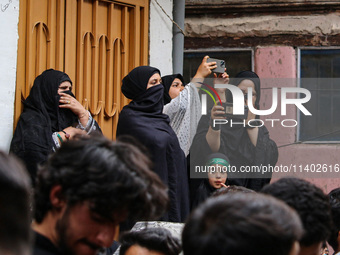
[
  {"x": 135, "y": 83},
  {"x": 32, "y": 140},
  {"x": 143, "y": 119}
]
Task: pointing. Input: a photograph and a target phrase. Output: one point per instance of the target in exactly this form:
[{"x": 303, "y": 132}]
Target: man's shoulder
[{"x": 43, "y": 246}]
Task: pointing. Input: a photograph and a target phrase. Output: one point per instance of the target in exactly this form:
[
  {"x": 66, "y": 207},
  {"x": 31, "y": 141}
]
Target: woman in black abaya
[
  {"x": 51, "y": 116},
  {"x": 143, "y": 119},
  {"x": 244, "y": 146}
]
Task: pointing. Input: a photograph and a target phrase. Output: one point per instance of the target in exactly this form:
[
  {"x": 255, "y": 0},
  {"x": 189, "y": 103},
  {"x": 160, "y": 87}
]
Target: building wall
[
  {"x": 160, "y": 55},
  {"x": 280, "y": 63},
  {"x": 274, "y": 30},
  {"x": 161, "y": 36},
  {"x": 9, "y": 17}
]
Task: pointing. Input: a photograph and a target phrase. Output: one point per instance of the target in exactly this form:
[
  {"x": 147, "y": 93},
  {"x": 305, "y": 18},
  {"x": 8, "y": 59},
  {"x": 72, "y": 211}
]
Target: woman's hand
[
  {"x": 205, "y": 68},
  {"x": 71, "y": 103},
  {"x": 222, "y": 78},
  {"x": 213, "y": 135},
  {"x": 217, "y": 112},
  {"x": 72, "y": 132}
]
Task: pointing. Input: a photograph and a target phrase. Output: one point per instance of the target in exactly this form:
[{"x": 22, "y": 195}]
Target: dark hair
[
  {"x": 231, "y": 189},
  {"x": 15, "y": 185},
  {"x": 135, "y": 142},
  {"x": 154, "y": 239},
  {"x": 112, "y": 176},
  {"x": 241, "y": 223},
  {"x": 311, "y": 204},
  {"x": 334, "y": 200}
]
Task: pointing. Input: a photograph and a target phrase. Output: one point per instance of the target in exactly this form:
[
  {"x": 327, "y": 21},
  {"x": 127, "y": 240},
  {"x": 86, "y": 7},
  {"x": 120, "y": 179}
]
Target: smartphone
[
  {"x": 229, "y": 112},
  {"x": 220, "y": 65}
]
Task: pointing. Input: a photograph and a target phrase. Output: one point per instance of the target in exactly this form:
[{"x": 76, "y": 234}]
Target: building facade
[{"x": 292, "y": 44}]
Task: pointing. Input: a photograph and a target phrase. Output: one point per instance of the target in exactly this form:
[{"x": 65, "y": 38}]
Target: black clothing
[
  {"x": 236, "y": 144},
  {"x": 167, "y": 81},
  {"x": 135, "y": 83},
  {"x": 32, "y": 140},
  {"x": 203, "y": 192},
  {"x": 43, "y": 246},
  {"x": 143, "y": 119}
]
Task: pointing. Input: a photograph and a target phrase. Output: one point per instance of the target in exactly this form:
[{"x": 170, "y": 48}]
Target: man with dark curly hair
[
  {"x": 149, "y": 241},
  {"x": 242, "y": 223},
  {"x": 334, "y": 238},
  {"x": 311, "y": 204},
  {"x": 86, "y": 189}
]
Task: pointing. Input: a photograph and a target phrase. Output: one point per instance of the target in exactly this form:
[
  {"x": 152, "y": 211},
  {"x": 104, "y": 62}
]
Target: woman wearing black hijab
[
  {"x": 143, "y": 119},
  {"x": 182, "y": 102},
  {"x": 244, "y": 146},
  {"x": 173, "y": 85},
  {"x": 51, "y": 116},
  {"x": 183, "y": 106}
]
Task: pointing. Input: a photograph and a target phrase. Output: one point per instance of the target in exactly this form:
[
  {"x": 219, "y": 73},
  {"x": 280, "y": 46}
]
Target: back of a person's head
[
  {"x": 241, "y": 223},
  {"x": 310, "y": 203},
  {"x": 112, "y": 176},
  {"x": 15, "y": 237},
  {"x": 154, "y": 239},
  {"x": 334, "y": 199},
  {"x": 231, "y": 189}
]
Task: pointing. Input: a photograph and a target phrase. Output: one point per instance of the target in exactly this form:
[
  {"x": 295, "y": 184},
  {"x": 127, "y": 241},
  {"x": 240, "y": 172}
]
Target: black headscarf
[
  {"x": 167, "y": 80},
  {"x": 135, "y": 83},
  {"x": 147, "y": 102},
  {"x": 249, "y": 75},
  {"x": 32, "y": 139},
  {"x": 143, "y": 119}
]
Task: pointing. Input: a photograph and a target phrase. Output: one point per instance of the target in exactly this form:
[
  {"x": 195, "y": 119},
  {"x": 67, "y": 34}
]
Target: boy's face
[
  {"x": 81, "y": 231},
  {"x": 217, "y": 177}
]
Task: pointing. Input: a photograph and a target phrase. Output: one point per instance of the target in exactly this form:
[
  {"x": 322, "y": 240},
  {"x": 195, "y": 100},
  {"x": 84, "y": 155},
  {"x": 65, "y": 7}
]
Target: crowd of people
[{"x": 66, "y": 189}]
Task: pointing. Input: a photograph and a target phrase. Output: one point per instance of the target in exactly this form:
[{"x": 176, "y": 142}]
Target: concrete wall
[
  {"x": 161, "y": 36},
  {"x": 263, "y": 26},
  {"x": 9, "y": 17},
  {"x": 275, "y": 65}
]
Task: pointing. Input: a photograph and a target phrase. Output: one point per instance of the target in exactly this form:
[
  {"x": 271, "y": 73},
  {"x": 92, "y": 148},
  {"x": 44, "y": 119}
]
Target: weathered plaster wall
[
  {"x": 9, "y": 17},
  {"x": 161, "y": 36},
  {"x": 262, "y": 26},
  {"x": 277, "y": 67}
]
